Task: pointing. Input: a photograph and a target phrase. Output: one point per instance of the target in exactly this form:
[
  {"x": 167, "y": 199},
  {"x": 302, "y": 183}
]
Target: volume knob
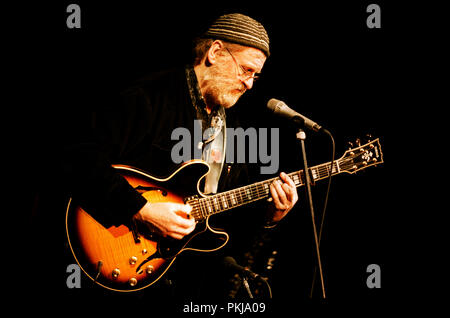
[
  {"x": 133, "y": 260},
  {"x": 115, "y": 273},
  {"x": 149, "y": 269},
  {"x": 132, "y": 281}
]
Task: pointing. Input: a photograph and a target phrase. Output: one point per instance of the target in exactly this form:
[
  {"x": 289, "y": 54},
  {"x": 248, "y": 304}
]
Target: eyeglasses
[{"x": 245, "y": 74}]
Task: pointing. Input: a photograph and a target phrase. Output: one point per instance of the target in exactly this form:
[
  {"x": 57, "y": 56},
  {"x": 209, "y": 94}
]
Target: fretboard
[{"x": 240, "y": 196}]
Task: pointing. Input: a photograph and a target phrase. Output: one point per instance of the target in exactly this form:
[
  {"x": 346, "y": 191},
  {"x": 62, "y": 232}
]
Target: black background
[{"x": 325, "y": 63}]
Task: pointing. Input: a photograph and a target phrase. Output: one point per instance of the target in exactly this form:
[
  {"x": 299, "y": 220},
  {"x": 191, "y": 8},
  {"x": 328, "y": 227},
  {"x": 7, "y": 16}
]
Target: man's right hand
[{"x": 172, "y": 219}]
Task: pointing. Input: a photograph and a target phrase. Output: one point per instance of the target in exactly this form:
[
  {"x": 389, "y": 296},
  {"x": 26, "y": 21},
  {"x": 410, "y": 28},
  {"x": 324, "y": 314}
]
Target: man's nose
[{"x": 248, "y": 83}]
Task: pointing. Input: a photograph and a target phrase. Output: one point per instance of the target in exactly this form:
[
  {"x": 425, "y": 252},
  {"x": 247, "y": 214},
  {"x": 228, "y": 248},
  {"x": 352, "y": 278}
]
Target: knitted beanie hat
[{"x": 240, "y": 29}]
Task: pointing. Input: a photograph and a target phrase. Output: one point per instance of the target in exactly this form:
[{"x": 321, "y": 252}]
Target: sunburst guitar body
[{"x": 131, "y": 257}]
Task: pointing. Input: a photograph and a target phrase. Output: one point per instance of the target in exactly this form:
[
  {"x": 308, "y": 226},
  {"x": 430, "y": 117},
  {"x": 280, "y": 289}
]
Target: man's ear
[{"x": 215, "y": 48}]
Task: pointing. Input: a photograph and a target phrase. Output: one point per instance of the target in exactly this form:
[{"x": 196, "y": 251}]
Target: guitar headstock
[{"x": 361, "y": 157}]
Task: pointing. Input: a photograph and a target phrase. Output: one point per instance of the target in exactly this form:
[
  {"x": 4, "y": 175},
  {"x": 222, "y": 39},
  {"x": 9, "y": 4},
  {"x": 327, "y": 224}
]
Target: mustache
[{"x": 242, "y": 90}]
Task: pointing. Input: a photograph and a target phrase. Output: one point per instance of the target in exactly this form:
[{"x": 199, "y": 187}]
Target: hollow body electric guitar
[{"x": 132, "y": 256}]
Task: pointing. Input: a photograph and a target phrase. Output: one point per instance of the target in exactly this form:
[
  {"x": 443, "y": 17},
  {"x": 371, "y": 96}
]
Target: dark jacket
[{"x": 134, "y": 128}]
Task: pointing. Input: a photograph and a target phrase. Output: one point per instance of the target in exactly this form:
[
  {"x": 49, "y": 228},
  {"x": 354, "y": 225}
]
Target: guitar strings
[
  {"x": 259, "y": 190},
  {"x": 255, "y": 191}
]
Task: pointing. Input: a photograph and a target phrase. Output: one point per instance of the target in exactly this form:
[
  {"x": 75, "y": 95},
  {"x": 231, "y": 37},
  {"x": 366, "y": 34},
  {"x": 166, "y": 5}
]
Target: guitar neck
[
  {"x": 240, "y": 196},
  {"x": 352, "y": 161}
]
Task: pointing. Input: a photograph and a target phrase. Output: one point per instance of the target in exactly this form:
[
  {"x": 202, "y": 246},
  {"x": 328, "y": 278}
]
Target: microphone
[
  {"x": 230, "y": 263},
  {"x": 279, "y": 108}
]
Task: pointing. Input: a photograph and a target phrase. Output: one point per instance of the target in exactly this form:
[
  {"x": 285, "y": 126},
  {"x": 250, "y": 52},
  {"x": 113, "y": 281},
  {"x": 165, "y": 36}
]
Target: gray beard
[{"x": 220, "y": 90}]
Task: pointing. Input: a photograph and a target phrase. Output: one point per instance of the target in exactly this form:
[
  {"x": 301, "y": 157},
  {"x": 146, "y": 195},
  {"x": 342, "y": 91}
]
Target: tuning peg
[
  {"x": 350, "y": 145},
  {"x": 358, "y": 142}
]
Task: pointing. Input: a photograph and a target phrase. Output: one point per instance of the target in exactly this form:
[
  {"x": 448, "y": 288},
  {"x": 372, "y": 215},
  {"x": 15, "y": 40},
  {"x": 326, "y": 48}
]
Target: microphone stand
[
  {"x": 302, "y": 136},
  {"x": 247, "y": 286}
]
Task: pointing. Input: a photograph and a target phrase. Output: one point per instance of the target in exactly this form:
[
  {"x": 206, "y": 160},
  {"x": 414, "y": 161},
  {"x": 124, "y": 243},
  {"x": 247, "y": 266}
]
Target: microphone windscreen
[
  {"x": 229, "y": 261},
  {"x": 273, "y": 104}
]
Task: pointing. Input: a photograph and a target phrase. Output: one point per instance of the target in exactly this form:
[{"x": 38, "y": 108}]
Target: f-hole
[{"x": 145, "y": 189}]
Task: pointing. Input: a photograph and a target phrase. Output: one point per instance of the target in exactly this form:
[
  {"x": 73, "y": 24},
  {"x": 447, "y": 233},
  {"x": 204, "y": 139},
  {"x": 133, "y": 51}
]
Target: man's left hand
[{"x": 284, "y": 196}]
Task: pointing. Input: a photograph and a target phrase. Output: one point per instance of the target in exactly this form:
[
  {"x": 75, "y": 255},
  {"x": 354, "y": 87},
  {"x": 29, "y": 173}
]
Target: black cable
[
  {"x": 325, "y": 203},
  {"x": 329, "y": 181}
]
